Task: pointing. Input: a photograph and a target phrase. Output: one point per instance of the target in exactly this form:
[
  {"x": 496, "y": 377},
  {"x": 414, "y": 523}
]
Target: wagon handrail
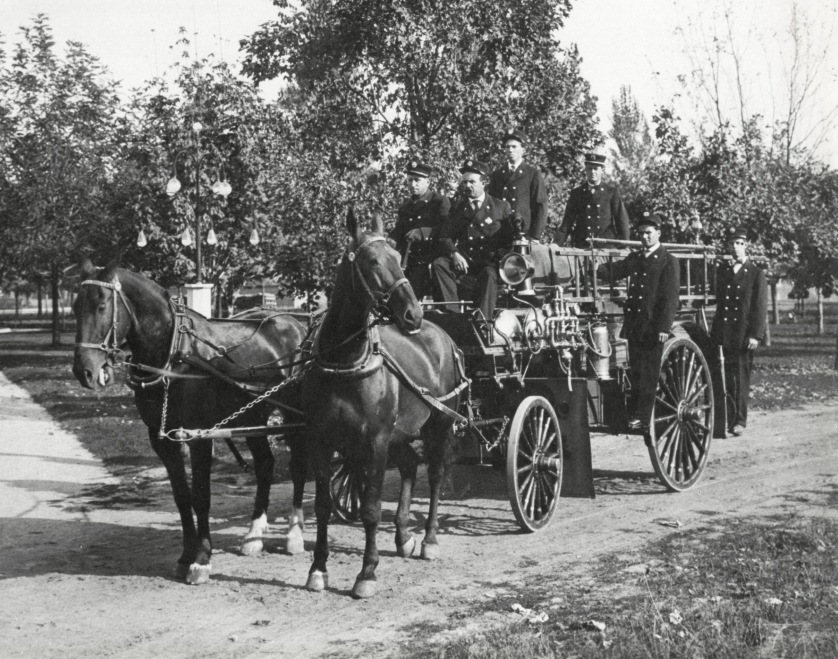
[{"x": 682, "y": 247}]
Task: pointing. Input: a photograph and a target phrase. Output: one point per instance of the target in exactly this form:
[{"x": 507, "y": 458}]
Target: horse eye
[{"x": 102, "y": 307}]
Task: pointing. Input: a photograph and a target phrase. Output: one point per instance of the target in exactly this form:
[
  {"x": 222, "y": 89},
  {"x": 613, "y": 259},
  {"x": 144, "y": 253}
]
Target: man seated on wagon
[
  {"x": 419, "y": 219},
  {"x": 651, "y": 303},
  {"x": 478, "y": 232}
]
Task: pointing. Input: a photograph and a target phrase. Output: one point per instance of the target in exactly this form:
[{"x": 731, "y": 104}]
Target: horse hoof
[
  {"x": 363, "y": 589},
  {"x": 317, "y": 581},
  {"x": 430, "y": 551},
  {"x": 294, "y": 541},
  {"x": 406, "y": 550},
  {"x": 252, "y": 547},
  {"x": 198, "y": 574}
]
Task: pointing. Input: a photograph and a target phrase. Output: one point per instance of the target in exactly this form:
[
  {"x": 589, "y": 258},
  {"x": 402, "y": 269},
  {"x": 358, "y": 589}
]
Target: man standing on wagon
[
  {"x": 521, "y": 186},
  {"x": 594, "y": 210},
  {"x": 419, "y": 219},
  {"x": 651, "y": 303},
  {"x": 478, "y": 232},
  {"x": 739, "y": 323}
]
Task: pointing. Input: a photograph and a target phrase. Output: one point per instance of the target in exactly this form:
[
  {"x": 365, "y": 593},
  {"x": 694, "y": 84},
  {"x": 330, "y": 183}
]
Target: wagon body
[{"x": 552, "y": 367}]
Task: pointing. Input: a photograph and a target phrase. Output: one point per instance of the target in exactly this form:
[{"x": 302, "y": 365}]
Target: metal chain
[
  {"x": 162, "y": 432},
  {"x": 270, "y": 392}
]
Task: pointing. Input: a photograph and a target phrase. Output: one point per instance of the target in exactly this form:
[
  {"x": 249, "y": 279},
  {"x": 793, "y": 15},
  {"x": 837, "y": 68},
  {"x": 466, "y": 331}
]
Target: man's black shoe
[
  {"x": 737, "y": 430},
  {"x": 636, "y": 424}
]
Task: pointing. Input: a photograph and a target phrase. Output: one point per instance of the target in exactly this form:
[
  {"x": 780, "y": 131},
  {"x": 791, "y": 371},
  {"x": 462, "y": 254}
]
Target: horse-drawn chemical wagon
[{"x": 552, "y": 367}]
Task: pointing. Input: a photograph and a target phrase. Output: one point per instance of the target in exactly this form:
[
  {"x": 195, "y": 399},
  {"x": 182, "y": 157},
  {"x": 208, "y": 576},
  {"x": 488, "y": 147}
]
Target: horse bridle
[
  {"x": 379, "y": 298},
  {"x": 109, "y": 344}
]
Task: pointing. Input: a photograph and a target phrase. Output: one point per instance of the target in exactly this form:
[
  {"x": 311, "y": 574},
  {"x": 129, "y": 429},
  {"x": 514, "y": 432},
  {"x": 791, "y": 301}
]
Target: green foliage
[{"x": 372, "y": 82}]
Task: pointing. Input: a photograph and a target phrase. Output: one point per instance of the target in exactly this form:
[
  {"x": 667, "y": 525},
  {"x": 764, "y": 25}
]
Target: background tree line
[{"x": 368, "y": 85}]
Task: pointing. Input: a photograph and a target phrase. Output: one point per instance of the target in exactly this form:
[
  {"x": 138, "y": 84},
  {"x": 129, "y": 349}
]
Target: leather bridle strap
[
  {"x": 378, "y": 297},
  {"x": 116, "y": 287}
]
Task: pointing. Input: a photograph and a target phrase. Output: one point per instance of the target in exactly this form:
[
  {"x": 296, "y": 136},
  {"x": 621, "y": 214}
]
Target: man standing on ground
[
  {"x": 594, "y": 210},
  {"x": 651, "y": 303},
  {"x": 478, "y": 232},
  {"x": 521, "y": 186},
  {"x": 739, "y": 324},
  {"x": 419, "y": 219}
]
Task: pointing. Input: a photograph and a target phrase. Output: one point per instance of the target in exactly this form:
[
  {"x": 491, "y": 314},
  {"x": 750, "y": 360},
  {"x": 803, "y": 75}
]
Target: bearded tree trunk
[
  {"x": 54, "y": 280},
  {"x": 820, "y": 313}
]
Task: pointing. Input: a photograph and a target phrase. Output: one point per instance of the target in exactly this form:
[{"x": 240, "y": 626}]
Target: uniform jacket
[
  {"x": 482, "y": 236},
  {"x": 594, "y": 212},
  {"x": 652, "y": 297},
  {"x": 525, "y": 192},
  {"x": 428, "y": 211},
  {"x": 741, "y": 305}
]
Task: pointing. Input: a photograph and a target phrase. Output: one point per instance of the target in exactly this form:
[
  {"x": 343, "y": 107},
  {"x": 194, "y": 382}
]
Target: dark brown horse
[
  {"x": 205, "y": 359},
  {"x": 362, "y": 395}
]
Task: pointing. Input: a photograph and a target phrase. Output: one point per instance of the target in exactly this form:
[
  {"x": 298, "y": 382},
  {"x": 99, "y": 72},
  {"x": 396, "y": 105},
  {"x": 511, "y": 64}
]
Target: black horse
[
  {"x": 374, "y": 387},
  {"x": 190, "y": 372}
]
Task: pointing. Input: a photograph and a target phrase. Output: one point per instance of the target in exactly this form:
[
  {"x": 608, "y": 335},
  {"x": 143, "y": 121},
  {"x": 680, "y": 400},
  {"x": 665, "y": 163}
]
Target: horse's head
[
  {"x": 377, "y": 275},
  {"x": 103, "y": 320}
]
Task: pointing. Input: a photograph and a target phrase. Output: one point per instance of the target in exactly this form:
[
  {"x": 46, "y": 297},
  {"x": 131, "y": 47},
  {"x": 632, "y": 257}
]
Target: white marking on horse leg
[
  {"x": 252, "y": 542},
  {"x": 198, "y": 574},
  {"x": 317, "y": 581},
  {"x": 294, "y": 543},
  {"x": 406, "y": 550}
]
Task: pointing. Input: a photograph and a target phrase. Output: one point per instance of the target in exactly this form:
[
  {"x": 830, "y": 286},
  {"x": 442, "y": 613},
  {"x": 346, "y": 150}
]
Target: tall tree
[
  {"x": 379, "y": 80},
  {"x": 58, "y": 153}
]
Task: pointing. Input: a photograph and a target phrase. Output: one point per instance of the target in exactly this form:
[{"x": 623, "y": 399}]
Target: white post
[{"x": 199, "y": 298}]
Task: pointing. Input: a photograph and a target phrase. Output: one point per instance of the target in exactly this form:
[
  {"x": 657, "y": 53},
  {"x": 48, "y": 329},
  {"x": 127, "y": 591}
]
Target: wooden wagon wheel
[
  {"x": 346, "y": 501},
  {"x": 682, "y": 422},
  {"x": 534, "y": 463}
]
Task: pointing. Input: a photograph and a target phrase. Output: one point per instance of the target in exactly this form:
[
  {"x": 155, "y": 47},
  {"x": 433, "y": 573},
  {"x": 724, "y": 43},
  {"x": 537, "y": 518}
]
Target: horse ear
[
  {"x": 377, "y": 223},
  {"x": 86, "y": 268},
  {"x": 112, "y": 265},
  {"x": 351, "y": 222}
]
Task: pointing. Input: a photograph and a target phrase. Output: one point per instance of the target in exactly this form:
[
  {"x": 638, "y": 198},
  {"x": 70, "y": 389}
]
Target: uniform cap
[
  {"x": 651, "y": 219},
  {"x": 474, "y": 166},
  {"x": 735, "y": 233},
  {"x": 595, "y": 159},
  {"x": 418, "y": 168},
  {"x": 514, "y": 134}
]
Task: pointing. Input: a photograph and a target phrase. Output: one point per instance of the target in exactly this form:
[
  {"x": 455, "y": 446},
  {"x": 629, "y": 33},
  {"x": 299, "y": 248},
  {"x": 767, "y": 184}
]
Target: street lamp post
[{"x": 199, "y": 295}]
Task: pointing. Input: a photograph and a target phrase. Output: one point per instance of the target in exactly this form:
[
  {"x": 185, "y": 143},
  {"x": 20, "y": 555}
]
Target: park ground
[{"x": 89, "y": 538}]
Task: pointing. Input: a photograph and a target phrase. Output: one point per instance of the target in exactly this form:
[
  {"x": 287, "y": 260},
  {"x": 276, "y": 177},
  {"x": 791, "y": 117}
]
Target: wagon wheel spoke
[
  {"x": 534, "y": 454},
  {"x": 662, "y": 401},
  {"x": 683, "y": 418}
]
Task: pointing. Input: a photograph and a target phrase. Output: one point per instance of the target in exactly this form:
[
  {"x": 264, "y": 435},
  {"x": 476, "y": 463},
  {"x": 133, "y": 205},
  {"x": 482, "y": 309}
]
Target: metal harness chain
[
  {"x": 162, "y": 432},
  {"x": 239, "y": 412}
]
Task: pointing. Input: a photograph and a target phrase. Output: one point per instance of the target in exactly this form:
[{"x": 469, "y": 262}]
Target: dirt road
[{"x": 87, "y": 559}]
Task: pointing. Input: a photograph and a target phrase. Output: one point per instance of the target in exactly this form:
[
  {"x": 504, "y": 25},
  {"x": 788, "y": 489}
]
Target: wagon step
[{"x": 187, "y": 435}]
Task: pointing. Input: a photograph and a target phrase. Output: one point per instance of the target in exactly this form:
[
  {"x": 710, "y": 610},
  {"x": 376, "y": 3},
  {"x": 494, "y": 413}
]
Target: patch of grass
[
  {"x": 741, "y": 589},
  {"x": 798, "y": 367}
]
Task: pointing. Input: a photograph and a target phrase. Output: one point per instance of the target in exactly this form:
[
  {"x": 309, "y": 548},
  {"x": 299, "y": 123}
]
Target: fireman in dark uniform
[
  {"x": 521, "y": 185},
  {"x": 478, "y": 232},
  {"x": 651, "y": 303},
  {"x": 739, "y": 324},
  {"x": 594, "y": 210},
  {"x": 419, "y": 219}
]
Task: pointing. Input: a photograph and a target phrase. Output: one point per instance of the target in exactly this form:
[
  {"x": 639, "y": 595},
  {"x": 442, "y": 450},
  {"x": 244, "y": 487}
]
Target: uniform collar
[
  {"x": 652, "y": 250},
  {"x": 513, "y": 167},
  {"x": 422, "y": 197}
]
